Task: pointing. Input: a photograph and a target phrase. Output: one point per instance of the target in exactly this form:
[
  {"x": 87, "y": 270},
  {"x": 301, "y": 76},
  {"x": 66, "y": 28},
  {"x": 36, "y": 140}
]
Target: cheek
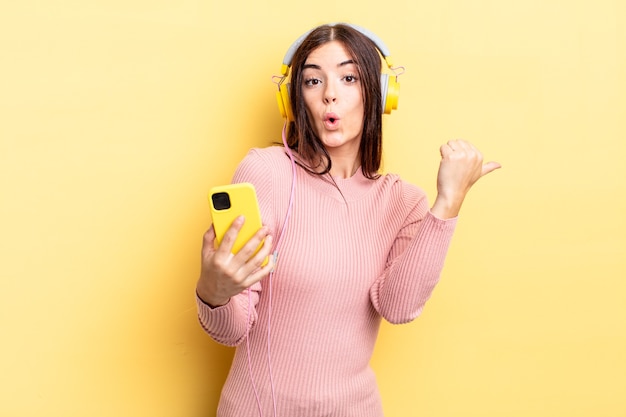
[
  {"x": 357, "y": 99},
  {"x": 308, "y": 100},
  {"x": 359, "y": 109}
]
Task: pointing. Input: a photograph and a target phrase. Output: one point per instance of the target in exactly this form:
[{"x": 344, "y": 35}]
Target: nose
[{"x": 330, "y": 94}]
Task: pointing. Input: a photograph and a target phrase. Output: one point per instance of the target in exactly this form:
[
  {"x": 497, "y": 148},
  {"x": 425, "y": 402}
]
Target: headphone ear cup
[
  {"x": 390, "y": 90},
  {"x": 284, "y": 104}
]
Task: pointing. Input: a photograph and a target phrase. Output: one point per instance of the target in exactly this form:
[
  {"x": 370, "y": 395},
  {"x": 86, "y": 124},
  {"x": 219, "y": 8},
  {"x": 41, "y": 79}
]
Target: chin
[{"x": 333, "y": 143}]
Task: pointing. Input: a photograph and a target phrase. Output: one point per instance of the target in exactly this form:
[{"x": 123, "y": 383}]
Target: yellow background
[{"x": 116, "y": 117}]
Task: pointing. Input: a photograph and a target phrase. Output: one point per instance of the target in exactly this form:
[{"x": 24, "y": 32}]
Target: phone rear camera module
[{"x": 221, "y": 201}]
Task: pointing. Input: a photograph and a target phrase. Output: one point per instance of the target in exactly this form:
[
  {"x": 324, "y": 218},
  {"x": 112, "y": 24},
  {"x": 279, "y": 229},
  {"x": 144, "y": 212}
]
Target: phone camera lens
[{"x": 221, "y": 201}]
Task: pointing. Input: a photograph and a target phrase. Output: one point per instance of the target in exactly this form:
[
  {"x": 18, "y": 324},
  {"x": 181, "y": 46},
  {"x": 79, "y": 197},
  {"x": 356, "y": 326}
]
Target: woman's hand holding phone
[{"x": 224, "y": 274}]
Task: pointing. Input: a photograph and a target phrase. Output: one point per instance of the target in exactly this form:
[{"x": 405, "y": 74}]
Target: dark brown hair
[{"x": 301, "y": 136}]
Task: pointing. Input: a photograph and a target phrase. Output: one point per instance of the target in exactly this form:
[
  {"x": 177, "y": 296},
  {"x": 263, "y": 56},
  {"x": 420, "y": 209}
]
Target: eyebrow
[{"x": 341, "y": 64}]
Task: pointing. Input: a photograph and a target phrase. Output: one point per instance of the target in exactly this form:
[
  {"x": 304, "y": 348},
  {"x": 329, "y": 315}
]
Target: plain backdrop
[{"x": 116, "y": 117}]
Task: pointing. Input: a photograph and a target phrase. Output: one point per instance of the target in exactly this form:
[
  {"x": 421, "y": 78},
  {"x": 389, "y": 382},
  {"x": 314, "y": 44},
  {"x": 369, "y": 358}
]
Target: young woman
[{"x": 358, "y": 246}]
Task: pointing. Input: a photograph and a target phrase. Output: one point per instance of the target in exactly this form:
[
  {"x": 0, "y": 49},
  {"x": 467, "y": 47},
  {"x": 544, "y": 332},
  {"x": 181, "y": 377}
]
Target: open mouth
[{"x": 331, "y": 119}]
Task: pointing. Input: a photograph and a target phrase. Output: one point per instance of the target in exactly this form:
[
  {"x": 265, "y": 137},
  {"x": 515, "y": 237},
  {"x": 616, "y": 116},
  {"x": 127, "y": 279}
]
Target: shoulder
[
  {"x": 272, "y": 154},
  {"x": 401, "y": 199},
  {"x": 272, "y": 160},
  {"x": 397, "y": 188}
]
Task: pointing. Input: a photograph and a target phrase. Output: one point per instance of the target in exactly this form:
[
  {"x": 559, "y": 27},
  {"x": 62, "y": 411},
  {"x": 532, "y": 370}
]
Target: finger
[
  {"x": 231, "y": 236},
  {"x": 446, "y": 150},
  {"x": 248, "y": 249},
  {"x": 453, "y": 144},
  {"x": 260, "y": 272},
  {"x": 457, "y": 146},
  {"x": 467, "y": 148},
  {"x": 463, "y": 144},
  {"x": 257, "y": 260},
  {"x": 208, "y": 240},
  {"x": 257, "y": 275},
  {"x": 209, "y": 235},
  {"x": 489, "y": 167}
]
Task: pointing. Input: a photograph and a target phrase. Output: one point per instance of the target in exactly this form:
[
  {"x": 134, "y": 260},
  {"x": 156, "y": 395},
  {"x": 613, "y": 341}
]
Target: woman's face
[{"x": 333, "y": 98}]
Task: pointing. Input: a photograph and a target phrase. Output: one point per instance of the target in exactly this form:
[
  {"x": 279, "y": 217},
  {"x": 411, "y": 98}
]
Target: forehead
[{"x": 333, "y": 52}]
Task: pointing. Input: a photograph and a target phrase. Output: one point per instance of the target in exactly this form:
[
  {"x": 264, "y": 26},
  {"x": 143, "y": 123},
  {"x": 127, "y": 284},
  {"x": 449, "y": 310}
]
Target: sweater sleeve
[
  {"x": 414, "y": 265},
  {"x": 230, "y": 323}
]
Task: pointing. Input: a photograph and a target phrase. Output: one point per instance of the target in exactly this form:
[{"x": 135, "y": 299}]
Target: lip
[{"x": 331, "y": 121}]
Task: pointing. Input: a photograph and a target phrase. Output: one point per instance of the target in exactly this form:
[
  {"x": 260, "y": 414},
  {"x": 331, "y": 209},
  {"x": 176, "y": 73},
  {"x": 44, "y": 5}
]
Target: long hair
[{"x": 302, "y": 137}]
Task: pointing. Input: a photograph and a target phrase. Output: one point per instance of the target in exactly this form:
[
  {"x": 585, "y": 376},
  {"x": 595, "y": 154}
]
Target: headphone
[{"x": 390, "y": 88}]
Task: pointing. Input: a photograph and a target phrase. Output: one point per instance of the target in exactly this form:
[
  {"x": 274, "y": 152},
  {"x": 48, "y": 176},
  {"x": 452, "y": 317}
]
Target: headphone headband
[{"x": 380, "y": 45}]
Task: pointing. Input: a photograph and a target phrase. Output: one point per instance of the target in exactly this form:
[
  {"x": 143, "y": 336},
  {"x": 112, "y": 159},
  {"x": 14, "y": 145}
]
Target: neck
[{"x": 344, "y": 166}]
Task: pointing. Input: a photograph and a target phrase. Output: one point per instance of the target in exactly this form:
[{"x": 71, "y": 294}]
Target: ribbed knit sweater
[{"x": 355, "y": 250}]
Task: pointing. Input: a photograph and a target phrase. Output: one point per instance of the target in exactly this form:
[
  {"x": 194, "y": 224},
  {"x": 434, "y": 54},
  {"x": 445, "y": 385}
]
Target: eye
[
  {"x": 350, "y": 78},
  {"x": 312, "y": 82}
]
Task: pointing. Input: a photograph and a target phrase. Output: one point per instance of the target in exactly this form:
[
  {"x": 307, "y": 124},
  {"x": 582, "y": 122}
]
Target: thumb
[
  {"x": 489, "y": 167},
  {"x": 208, "y": 240}
]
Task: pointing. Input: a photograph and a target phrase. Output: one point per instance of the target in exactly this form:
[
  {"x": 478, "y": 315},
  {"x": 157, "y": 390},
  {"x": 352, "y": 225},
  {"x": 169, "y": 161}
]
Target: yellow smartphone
[{"x": 230, "y": 201}]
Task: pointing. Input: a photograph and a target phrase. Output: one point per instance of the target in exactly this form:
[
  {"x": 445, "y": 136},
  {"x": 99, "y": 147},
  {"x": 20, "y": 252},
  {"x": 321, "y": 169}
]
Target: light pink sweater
[{"x": 345, "y": 262}]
